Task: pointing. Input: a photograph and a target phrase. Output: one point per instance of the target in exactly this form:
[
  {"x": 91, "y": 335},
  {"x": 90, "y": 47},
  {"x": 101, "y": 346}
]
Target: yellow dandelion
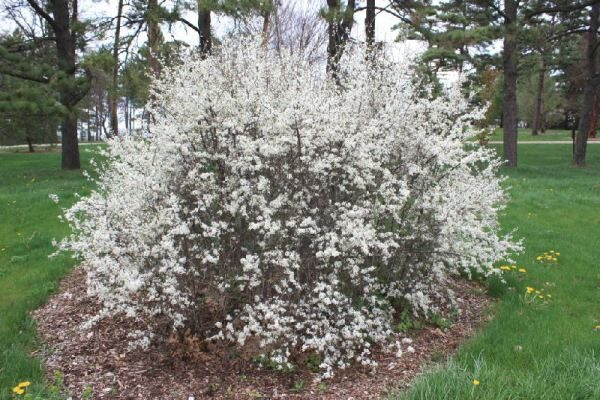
[
  {"x": 18, "y": 390},
  {"x": 597, "y": 327},
  {"x": 541, "y": 296},
  {"x": 558, "y": 254},
  {"x": 523, "y": 270},
  {"x": 475, "y": 382},
  {"x": 530, "y": 289},
  {"x": 505, "y": 268},
  {"x": 539, "y": 258},
  {"x": 549, "y": 295},
  {"x": 24, "y": 384},
  {"x": 537, "y": 292}
]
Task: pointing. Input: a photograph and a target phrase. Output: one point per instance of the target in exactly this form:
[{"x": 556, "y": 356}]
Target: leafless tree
[{"x": 292, "y": 25}]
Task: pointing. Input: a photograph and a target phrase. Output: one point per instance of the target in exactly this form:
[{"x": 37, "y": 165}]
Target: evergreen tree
[{"x": 60, "y": 70}]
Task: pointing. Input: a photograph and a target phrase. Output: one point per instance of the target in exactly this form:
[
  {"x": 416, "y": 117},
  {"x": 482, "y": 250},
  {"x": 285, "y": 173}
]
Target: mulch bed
[{"x": 98, "y": 358}]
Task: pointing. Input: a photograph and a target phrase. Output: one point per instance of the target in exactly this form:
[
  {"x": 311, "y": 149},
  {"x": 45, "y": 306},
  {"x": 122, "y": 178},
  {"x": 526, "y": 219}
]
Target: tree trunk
[
  {"x": 509, "y": 62},
  {"x": 89, "y": 131},
  {"x": 69, "y": 96},
  {"x": 589, "y": 91},
  {"x": 96, "y": 120},
  {"x": 70, "y": 148},
  {"x": 131, "y": 111},
  {"x": 29, "y": 143},
  {"x": 276, "y": 22},
  {"x": 537, "y": 117},
  {"x": 114, "y": 95},
  {"x": 153, "y": 36},
  {"x": 339, "y": 27},
  {"x": 595, "y": 114},
  {"x": 266, "y": 29},
  {"x": 370, "y": 24},
  {"x": 204, "y": 26},
  {"x": 127, "y": 114},
  {"x": 543, "y": 122}
]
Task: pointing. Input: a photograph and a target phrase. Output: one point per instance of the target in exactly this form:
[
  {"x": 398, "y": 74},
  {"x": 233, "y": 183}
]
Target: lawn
[
  {"x": 537, "y": 350},
  {"x": 525, "y": 135},
  {"x": 530, "y": 351},
  {"x": 28, "y": 223}
]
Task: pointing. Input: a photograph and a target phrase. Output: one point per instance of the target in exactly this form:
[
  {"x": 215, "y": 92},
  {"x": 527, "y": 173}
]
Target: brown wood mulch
[{"x": 98, "y": 358}]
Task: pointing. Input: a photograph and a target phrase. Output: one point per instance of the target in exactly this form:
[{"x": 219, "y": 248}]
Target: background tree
[
  {"x": 340, "y": 19},
  {"x": 296, "y": 27},
  {"x": 61, "y": 25},
  {"x": 29, "y": 112},
  {"x": 114, "y": 95},
  {"x": 592, "y": 81}
]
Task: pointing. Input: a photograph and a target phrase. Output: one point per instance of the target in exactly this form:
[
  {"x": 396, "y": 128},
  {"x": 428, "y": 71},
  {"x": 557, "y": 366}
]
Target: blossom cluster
[{"x": 285, "y": 212}]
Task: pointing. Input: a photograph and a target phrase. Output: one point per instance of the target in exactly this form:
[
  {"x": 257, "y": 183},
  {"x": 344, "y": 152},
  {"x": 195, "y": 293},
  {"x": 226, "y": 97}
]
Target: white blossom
[{"x": 274, "y": 207}]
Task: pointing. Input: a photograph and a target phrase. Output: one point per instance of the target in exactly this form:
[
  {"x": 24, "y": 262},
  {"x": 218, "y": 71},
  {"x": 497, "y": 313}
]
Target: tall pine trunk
[
  {"x": 204, "y": 27},
  {"x": 69, "y": 96},
  {"x": 589, "y": 91},
  {"x": 509, "y": 63},
  {"x": 595, "y": 114},
  {"x": 370, "y": 24},
  {"x": 127, "y": 114},
  {"x": 340, "y": 23},
  {"x": 70, "y": 144},
  {"x": 153, "y": 37},
  {"x": 537, "y": 117},
  {"x": 266, "y": 30},
  {"x": 114, "y": 95}
]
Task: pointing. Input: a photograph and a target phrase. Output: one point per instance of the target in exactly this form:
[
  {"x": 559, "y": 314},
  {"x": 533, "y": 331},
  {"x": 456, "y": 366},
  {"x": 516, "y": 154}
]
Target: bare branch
[
  {"x": 188, "y": 24},
  {"x": 41, "y": 12}
]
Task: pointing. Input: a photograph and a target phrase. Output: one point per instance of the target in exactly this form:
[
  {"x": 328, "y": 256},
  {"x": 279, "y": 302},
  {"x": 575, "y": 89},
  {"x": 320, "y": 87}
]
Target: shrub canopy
[{"x": 276, "y": 209}]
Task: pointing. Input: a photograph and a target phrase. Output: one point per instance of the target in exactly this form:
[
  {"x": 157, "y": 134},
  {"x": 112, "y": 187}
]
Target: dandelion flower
[
  {"x": 523, "y": 270},
  {"x": 18, "y": 390},
  {"x": 475, "y": 382},
  {"x": 24, "y": 384}
]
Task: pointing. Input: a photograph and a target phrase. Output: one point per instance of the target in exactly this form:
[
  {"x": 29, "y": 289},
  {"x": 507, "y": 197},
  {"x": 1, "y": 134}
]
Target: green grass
[
  {"x": 536, "y": 351},
  {"x": 527, "y": 352},
  {"x": 526, "y": 136},
  {"x": 28, "y": 223}
]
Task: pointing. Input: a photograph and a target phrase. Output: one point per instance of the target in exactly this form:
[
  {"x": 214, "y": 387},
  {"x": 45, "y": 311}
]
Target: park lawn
[
  {"x": 527, "y": 352},
  {"x": 525, "y": 135},
  {"x": 28, "y": 223},
  {"x": 535, "y": 351}
]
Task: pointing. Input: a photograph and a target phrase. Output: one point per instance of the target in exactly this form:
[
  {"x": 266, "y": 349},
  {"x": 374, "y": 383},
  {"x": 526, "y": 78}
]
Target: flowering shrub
[{"x": 287, "y": 213}]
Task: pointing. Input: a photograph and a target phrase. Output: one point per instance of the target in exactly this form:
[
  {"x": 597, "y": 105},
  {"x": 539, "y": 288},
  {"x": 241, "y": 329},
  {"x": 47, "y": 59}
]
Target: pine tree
[{"x": 61, "y": 25}]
